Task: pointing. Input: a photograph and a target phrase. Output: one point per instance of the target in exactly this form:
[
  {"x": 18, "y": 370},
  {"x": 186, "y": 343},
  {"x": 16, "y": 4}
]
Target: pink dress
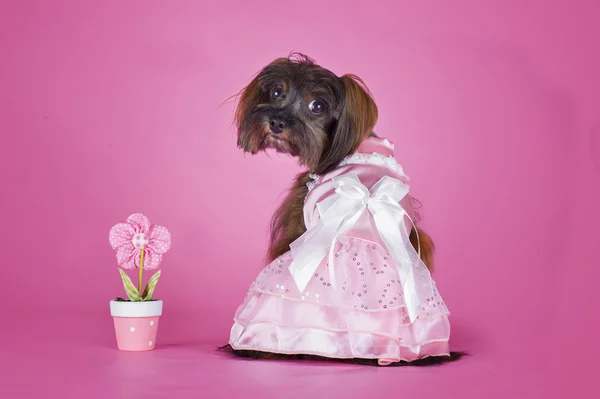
[{"x": 352, "y": 286}]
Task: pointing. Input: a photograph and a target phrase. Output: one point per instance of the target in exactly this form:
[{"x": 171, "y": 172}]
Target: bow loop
[
  {"x": 349, "y": 186},
  {"x": 391, "y": 188}
]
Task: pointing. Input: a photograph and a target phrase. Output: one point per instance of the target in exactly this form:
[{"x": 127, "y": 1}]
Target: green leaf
[
  {"x": 149, "y": 290},
  {"x": 130, "y": 289}
]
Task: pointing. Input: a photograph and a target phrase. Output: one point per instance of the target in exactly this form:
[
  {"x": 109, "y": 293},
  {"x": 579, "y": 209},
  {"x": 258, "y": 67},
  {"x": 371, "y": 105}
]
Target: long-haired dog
[{"x": 297, "y": 107}]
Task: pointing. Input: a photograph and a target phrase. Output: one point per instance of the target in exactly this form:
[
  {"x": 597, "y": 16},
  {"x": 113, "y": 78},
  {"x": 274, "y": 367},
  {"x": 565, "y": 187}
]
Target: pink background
[{"x": 114, "y": 107}]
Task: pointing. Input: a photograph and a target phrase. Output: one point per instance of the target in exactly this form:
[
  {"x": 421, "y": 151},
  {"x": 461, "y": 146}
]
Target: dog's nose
[{"x": 277, "y": 125}]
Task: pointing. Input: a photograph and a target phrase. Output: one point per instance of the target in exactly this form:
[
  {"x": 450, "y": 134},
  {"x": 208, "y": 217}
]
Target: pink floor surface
[{"x": 75, "y": 356}]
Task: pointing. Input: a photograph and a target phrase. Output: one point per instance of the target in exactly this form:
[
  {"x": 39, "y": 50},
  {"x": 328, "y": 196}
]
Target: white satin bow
[{"x": 339, "y": 212}]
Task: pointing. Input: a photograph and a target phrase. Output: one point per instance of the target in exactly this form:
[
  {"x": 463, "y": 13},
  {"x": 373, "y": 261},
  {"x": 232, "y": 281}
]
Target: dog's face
[{"x": 297, "y": 107}]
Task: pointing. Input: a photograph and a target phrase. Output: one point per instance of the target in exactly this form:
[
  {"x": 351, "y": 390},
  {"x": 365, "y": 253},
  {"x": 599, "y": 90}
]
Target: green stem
[{"x": 141, "y": 270}]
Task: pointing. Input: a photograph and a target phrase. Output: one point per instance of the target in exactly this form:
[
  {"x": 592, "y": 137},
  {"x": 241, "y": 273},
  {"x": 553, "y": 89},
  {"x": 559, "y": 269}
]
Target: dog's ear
[
  {"x": 356, "y": 120},
  {"x": 248, "y": 98}
]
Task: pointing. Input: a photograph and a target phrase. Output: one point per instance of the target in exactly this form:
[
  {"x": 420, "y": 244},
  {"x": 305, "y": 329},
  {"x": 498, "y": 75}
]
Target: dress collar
[
  {"x": 374, "y": 151},
  {"x": 377, "y": 145}
]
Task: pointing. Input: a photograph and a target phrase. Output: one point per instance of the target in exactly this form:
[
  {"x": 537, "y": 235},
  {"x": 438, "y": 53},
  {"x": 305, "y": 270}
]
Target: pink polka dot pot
[{"x": 136, "y": 324}]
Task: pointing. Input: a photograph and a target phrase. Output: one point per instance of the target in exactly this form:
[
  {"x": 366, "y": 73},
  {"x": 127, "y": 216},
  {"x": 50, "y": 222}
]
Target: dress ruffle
[
  {"x": 363, "y": 317},
  {"x": 276, "y": 324}
]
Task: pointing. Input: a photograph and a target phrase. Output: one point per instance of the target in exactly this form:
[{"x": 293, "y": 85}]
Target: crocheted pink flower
[{"x": 129, "y": 238}]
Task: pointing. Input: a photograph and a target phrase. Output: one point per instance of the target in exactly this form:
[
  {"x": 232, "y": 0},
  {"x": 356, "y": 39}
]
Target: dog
[{"x": 296, "y": 107}]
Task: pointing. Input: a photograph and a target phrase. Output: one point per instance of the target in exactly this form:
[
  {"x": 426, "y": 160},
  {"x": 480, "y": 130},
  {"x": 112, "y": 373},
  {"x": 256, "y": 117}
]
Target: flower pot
[{"x": 136, "y": 324}]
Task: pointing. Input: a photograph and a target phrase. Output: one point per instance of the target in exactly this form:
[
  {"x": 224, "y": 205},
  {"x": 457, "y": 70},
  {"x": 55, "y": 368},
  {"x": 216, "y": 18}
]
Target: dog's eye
[
  {"x": 276, "y": 92},
  {"x": 316, "y": 106}
]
